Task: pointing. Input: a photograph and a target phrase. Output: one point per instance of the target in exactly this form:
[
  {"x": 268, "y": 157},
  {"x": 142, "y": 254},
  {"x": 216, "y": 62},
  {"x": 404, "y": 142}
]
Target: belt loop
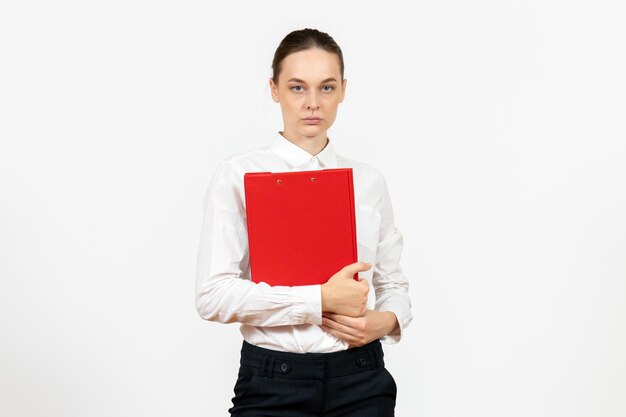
[
  {"x": 373, "y": 358},
  {"x": 263, "y": 363},
  {"x": 270, "y": 369}
]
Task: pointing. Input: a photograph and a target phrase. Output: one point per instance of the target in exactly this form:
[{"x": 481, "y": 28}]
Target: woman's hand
[
  {"x": 358, "y": 331},
  {"x": 343, "y": 294}
]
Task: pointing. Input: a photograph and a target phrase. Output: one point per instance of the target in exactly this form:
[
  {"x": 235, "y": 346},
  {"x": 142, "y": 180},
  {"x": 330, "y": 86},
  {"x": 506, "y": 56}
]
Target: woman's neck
[{"x": 311, "y": 144}]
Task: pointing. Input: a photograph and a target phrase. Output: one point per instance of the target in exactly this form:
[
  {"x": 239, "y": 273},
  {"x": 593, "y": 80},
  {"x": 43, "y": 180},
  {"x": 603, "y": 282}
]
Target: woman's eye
[{"x": 326, "y": 88}]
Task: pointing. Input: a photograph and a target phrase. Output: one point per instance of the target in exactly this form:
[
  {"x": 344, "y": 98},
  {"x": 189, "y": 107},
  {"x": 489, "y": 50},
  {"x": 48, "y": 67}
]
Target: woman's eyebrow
[{"x": 298, "y": 80}]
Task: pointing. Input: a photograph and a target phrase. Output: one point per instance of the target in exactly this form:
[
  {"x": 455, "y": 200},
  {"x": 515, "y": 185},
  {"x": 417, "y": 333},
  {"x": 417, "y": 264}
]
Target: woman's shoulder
[{"x": 361, "y": 168}]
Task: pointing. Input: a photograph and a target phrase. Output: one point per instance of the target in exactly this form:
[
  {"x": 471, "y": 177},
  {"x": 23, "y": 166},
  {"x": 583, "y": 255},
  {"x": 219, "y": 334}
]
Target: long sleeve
[
  {"x": 224, "y": 293},
  {"x": 389, "y": 280}
]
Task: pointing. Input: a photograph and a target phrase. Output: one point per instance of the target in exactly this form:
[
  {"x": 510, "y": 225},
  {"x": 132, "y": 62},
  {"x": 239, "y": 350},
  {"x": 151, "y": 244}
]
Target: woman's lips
[{"x": 312, "y": 121}]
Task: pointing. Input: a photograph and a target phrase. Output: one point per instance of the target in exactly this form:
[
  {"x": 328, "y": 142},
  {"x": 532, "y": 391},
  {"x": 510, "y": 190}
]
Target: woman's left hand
[{"x": 359, "y": 331}]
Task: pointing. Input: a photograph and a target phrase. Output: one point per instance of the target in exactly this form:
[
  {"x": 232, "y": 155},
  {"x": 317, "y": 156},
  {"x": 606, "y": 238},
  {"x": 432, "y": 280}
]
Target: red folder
[{"x": 301, "y": 225}]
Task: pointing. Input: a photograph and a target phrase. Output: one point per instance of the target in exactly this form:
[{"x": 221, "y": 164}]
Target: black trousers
[{"x": 349, "y": 383}]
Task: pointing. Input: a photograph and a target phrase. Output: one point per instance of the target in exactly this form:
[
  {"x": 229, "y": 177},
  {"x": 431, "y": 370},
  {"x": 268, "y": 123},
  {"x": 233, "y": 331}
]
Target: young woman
[{"x": 313, "y": 349}]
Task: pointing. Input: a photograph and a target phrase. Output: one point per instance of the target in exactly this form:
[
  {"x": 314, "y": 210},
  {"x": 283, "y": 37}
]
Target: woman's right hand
[{"x": 342, "y": 294}]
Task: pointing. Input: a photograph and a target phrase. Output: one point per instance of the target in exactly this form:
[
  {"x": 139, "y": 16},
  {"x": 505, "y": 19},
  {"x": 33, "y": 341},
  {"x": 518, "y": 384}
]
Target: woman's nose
[{"x": 312, "y": 102}]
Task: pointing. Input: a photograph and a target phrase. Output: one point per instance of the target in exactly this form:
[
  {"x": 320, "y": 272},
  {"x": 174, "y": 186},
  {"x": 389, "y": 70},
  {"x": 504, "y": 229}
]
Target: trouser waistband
[{"x": 269, "y": 362}]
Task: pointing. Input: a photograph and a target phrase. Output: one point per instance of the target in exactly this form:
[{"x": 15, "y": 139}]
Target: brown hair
[{"x": 300, "y": 40}]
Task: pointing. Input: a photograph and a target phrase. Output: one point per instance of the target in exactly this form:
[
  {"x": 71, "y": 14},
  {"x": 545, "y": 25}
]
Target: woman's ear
[
  {"x": 343, "y": 89},
  {"x": 274, "y": 91}
]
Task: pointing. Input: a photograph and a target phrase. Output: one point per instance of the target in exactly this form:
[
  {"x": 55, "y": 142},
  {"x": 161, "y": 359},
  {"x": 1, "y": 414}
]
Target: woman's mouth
[{"x": 312, "y": 120}]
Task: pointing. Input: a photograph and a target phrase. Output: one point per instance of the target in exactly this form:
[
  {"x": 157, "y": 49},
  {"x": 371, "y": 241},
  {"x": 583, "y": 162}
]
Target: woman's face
[{"x": 309, "y": 86}]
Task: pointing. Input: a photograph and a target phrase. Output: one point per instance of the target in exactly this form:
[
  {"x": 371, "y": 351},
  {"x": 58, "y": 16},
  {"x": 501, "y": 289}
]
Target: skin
[{"x": 310, "y": 84}]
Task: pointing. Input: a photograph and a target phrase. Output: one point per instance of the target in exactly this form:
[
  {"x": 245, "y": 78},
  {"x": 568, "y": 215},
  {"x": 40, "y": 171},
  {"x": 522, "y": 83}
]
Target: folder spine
[{"x": 352, "y": 218}]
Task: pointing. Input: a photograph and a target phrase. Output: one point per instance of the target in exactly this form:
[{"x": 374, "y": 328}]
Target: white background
[{"x": 499, "y": 126}]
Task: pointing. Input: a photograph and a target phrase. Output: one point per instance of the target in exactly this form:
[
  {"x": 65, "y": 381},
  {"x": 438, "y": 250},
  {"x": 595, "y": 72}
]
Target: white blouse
[{"x": 281, "y": 317}]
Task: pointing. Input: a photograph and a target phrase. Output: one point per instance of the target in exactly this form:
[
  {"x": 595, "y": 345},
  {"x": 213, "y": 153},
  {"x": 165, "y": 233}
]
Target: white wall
[{"x": 498, "y": 124}]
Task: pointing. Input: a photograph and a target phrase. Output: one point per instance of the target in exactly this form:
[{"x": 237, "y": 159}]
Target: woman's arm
[
  {"x": 389, "y": 280},
  {"x": 223, "y": 293}
]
